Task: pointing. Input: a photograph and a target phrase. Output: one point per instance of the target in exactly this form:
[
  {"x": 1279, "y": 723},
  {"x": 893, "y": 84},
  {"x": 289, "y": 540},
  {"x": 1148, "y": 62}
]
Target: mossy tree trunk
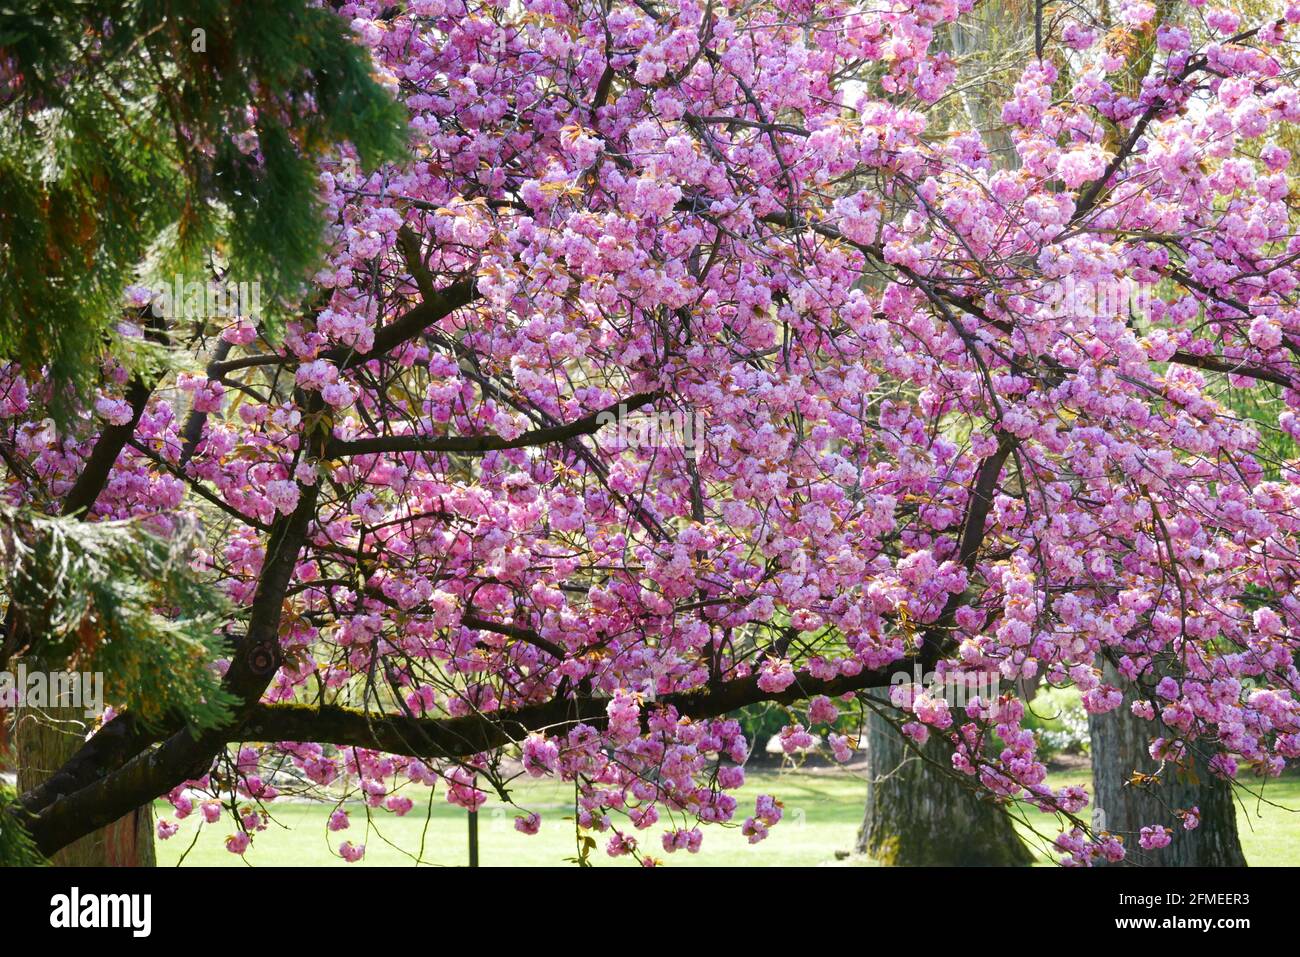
[
  {"x": 921, "y": 816},
  {"x": 44, "y": 738},
  {"x": 1120, "y": 747}
]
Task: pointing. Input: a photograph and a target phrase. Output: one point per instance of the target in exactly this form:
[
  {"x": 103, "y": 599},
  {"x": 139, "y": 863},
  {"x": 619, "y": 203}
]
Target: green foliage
[
  {"x": 1261, "y": 406},
  {"x": 760, "y": 721},
  {"x": 119, "y": 598},
  {"x": 70, "y": 234},
  {"x": 1057, "y": 716},
  {"x": 16, "y": 846},
  {"x": 118, "y": 159}
]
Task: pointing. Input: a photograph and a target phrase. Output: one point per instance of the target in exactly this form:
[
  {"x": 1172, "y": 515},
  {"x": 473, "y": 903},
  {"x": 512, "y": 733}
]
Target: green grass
[{"x": 822, "y": 814}]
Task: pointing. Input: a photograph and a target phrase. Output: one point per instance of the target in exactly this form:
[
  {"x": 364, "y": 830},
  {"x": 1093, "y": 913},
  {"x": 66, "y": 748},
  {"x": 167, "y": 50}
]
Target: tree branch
[
  {"x": 409, "y": 325},
  {"x": 472, "y": 734},
  {"x": 480, "y": 444}
]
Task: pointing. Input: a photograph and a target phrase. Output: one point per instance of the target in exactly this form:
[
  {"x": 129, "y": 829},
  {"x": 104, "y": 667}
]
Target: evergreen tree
[{"x": 138, "y": 136}]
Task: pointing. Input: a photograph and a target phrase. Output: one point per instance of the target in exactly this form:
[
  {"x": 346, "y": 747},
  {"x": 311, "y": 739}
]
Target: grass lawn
[{"x": 822, "y": 812}]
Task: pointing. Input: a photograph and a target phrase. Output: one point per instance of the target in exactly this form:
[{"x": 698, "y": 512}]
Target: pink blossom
[
  {"x": 283, "y": 495},
  {"x": 822, "y": 711},
  {"x": 1154, "y": 837},
  {"x": 841, "y": 748},
  {"x": 775, "y": 675}
]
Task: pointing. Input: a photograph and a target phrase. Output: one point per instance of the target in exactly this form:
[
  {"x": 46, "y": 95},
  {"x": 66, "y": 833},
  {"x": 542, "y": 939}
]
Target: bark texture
[
  {"x": 44, "y": 739},
  {"x": 919, "y": 816},
  {"x": 1120, "y": 747}
]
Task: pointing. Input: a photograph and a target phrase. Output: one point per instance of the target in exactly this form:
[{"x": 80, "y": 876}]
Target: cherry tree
[{"x": 683, "y": 367}]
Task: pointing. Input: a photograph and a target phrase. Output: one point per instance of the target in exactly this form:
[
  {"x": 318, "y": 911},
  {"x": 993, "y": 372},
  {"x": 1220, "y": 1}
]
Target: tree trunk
[
  {"x": 1119, "y": 747},
  {"x": 44, "y": 738},
  {"x": 920, "y": 816},
  {"x": 989, "y": 35}
]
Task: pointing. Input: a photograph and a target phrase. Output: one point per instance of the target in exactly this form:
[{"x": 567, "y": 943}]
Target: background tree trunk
[
  {"x": 1119, "y": 747},
  {"x": 919, "y": 816},
  {"x": 993, "y": 44},
  {"x": 4, "y": 739},
  {"x": 44, "y": 739}
]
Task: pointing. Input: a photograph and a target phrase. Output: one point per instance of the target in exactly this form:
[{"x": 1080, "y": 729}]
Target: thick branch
[
  {"x": 86, "y": 489},
  {"x": 480, "y": 444},
  {"x": 94, "y": 473},
  {"x": 1231, "y": 366},
  {"x": 193, "y": 431},
  {"x": 472, "y": 734},
  {"x": 981, "y": 500},
  {"x": 182, "y": 757},
  {"x": 409, "y": 325},
  {"x": 517, "y": 632}
]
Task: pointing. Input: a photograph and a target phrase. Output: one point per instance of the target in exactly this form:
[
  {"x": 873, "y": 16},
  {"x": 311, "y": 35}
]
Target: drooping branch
[
  {"x": 460, "y": 737},
  {"x": 181, "y": 756},
  {"x": 472, "y": 734}
]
